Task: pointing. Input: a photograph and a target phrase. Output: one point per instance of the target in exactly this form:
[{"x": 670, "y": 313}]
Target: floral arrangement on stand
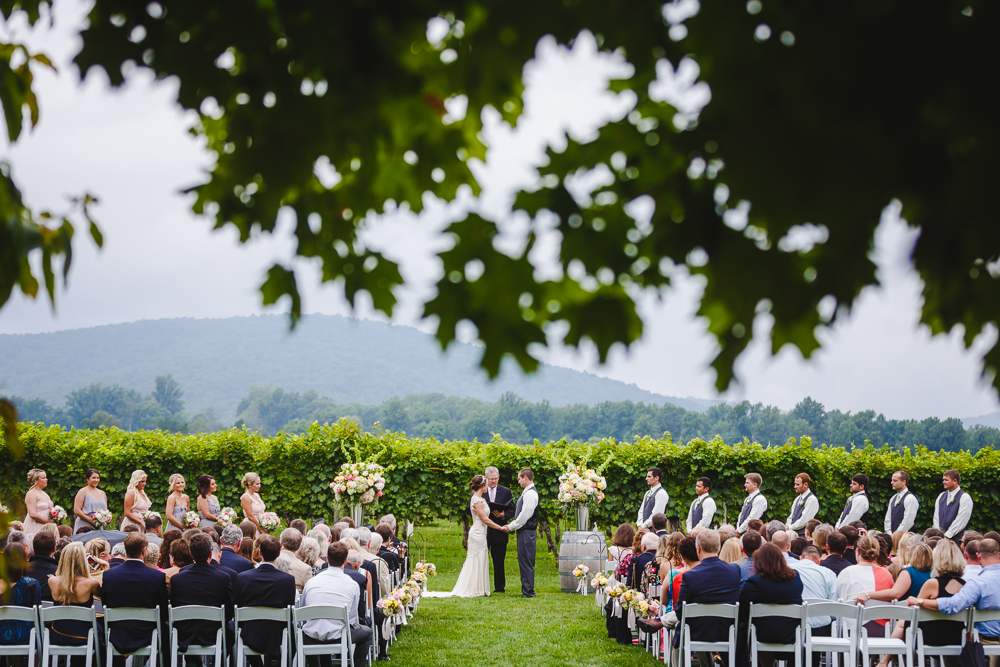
[
  {"x": 269, "y": 521},
  {"x": 401, "y": 600},
  {"x": 191, "y": 519},
  {"x": 615, "y": 591},
  {"x": 103, "y": 519},
  {"x": 635, "y": 603},
  {"x": 581, "y": 487},
  {"x": 599, "y": 583},
  {"x": 580, "y": 572},
  {"x": 361, "y": 483},
  {"x": 228, "y": 516},
  {"x": 427, "y": 568},
  {"x": 57, "y": 514}
]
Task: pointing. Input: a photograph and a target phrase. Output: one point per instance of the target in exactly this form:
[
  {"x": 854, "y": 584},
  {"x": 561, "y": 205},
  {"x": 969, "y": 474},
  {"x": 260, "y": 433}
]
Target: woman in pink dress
[
  {"x": 137, "y": 503},
  {"x": 37, "y": 502},
  {"x": 253, "y": 505}
]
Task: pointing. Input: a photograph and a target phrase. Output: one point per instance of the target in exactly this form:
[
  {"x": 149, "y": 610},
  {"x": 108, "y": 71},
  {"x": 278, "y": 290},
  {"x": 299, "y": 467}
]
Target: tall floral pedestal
[{"x": 357, "y": 514}]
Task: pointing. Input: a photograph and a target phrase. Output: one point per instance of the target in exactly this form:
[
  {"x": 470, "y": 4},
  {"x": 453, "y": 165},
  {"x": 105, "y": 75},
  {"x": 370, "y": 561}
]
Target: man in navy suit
[
  {"x": 132, "y": 584},
  {"x": 714, "y": 581},
  {"x": 43, "y": 562},
  {"x": 201, "y": 584},
  {"x": 230, "y": 539},
  {"x": 265, "y": 586}
]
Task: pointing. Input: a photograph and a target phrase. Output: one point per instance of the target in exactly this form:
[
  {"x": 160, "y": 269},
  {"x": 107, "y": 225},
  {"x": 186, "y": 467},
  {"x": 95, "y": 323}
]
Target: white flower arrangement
[
  {"x": 269, "y": 521},
  {"x": 103, "y": 518},
  {"x": 361, "y": 483},
  {"x": 427, "y": 568},
  {"x": 581, "y": 486},
  {"x": 3, "y": 509},
  {"x": 227, "y": 516},
  {"x": 191, "y": 520},
  {"x": 57, "y": 513}
]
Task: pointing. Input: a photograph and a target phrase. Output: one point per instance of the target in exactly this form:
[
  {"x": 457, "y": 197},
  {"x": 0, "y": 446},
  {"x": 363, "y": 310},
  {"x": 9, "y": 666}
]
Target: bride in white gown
[{"x": 474, "y": 580}]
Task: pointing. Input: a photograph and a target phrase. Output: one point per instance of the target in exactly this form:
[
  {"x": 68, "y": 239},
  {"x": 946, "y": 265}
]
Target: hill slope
[{"x": 216, "y": 361}]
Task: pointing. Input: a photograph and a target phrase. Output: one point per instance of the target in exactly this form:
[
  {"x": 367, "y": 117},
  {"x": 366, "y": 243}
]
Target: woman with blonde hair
[
  {"x": 73, "y": 585},
  {"x": 37, "y": 502},
  {"x": 178, "y": 501},
  {"x": 98, "y": 558},
  {"x": 137, "y": 503},
  {"x": 731, "y": 552},
  {"x": 253, "y": 505},
  {"x": 820, "y": 536}
]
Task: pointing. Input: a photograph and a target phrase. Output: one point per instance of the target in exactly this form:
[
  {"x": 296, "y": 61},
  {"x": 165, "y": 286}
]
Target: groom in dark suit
[{"x": 497, "y": 539}]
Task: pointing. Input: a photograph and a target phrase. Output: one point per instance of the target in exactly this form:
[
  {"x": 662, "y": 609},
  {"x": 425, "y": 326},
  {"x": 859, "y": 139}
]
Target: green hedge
[{"x": 428, "y": 479}]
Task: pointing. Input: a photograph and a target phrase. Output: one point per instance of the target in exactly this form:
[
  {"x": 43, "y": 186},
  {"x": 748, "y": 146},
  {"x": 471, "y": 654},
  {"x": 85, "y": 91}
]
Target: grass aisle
[{"x": 554, "y": 628}]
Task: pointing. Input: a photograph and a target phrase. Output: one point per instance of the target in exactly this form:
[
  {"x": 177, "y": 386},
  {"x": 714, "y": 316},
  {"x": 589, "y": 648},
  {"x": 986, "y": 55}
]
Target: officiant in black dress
[{"x": 501, "y": 503}]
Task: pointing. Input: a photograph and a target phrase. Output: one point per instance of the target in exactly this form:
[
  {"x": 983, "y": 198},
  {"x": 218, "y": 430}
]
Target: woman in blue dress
[
  {"x": 208, "y": 504},
  {"x": 88, "y": 500}
]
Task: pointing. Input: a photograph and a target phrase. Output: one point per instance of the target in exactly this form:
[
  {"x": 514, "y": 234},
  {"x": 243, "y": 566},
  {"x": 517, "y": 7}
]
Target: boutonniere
[
  {"x": 951, "y": 500},
  {"x": 899, "y": 499}
]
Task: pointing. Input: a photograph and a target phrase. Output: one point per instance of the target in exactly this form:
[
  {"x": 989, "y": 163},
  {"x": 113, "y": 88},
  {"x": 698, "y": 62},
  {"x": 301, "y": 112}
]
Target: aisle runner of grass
[{"x": 506, "y": 630}]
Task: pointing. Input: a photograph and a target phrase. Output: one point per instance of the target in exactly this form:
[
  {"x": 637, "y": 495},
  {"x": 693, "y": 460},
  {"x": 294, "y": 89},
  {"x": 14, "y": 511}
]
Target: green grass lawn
[{"x": 553, "y": 628}]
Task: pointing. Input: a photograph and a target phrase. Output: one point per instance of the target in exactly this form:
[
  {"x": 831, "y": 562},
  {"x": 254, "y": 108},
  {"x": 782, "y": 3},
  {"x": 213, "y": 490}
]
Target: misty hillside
[{"x": 215, "y": 362}]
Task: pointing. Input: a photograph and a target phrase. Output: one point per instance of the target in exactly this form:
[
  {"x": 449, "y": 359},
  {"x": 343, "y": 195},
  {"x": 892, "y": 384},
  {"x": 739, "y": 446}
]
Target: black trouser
[
  {"x": 360, "y": 635},
  {"x": 498, "y": 552}
]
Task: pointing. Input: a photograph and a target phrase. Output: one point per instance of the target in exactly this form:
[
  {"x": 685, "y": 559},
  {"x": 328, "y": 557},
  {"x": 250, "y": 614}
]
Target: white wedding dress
[{"x": 474, "y": 580}]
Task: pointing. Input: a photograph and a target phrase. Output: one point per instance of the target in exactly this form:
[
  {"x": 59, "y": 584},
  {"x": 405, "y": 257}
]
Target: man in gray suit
[{"x": 525, "y": 522}]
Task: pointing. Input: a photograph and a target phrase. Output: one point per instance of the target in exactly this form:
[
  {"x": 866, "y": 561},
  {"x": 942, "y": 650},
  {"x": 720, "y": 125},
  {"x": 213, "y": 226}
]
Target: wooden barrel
[{"x": 580, "y": 548}]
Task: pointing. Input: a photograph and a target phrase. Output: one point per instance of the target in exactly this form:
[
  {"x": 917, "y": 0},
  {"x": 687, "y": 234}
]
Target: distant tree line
[{"x": 270, "y": 409}]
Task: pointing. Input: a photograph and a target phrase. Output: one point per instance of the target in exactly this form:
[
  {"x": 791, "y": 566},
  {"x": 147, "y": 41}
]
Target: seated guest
[
  {"x": 398, "y": 546},
  {"x": 731, "y": 551},
  {"x": 154, "y": 530},
  {"x": 291, "y": 540},
  {"x": 649, "y": 578},
  {"x": 118, "y": 552},
  {"x": 811, "y": 527},
  {"x": 134, "y": 585},
  {"x": 688, "y": 552},
  {"x": 647, "y": 552},
  {"x": 308, "y": 553},
  {"x": 65, "y": 531},
  {"x": 299, "y": 525},
  {"x": 248, "y": 530},
  {"x": 773, "y": 528},
  {"x": 711, "y": 582},
  {"x": 351, "y": 568},
  {"x": 73, "y": 585},
  {"x": 180, "y": 557},
  {"x": 836, "y": 544},
  {"x": 820, "y": 536},
  {"x": 152, "y": 556},
  {"x": 24, "y": 592},
  {"x": 246, "y": 550},
  {"x": 749, "y": 544},
  {"x": 726, "y": 533},
  {"x": 201, "y": 584},
  {"x": 61, "y": 544},
  {"x": 797, "y": 545},
  {"x": 933, "y": 532},
  {"x": 625, "y": 562},
  {"x": 669, "y": 561},
  {"x": 131, "y": 529},
  {"x": 621, "y": 543},
  {"x": 819, "y": 583},
  {"x": 230, "y": 541},
  {"x": 323, "y": 540},
  {"x": 659, "y": 524},
  {"x": 168, "y": 539},
  {"x": 866, "y": 576},
  {"x": 852, "y": 535},
  {"x": 972, "y": 566},
  {"x": 774, "y": 583},
  {"x": 911, "y": 578},
  {"x": 781, "y": 540},
  {"x": 264, "y": 587},
  {"x": 334, "y": 588},
  {"x": 43, "y": 563},
  {"x": 390, "y": 557},
  {"x": 757, "y": 526},
  {"x": 370, "y": 553}
]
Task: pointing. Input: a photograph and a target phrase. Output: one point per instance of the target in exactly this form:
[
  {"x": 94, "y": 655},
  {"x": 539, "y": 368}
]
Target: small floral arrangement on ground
[
  {"x": 57, "y": 513},
  {"x": 413, "y": 588},
  {"x": 390, "y": 606},
  {"x": 403, "y": 595},
  {"x": 269, "y": 521},
  {"x": 191, "y": 519},
  {"x": 600, "y": 580},
  {"x": 362, "y": 483},
  {"x": 227, "y": 516},
  {"x": 419, "y": 577},
  {"x": 427, "y": 568},
  {"x": 102, "y": 519}
]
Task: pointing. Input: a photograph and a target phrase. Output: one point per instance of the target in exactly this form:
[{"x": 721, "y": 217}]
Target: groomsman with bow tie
[
  {"x": 805, "y": 507},
  {"x": 902, "y": 510},
  {"x": 655, "y": 500},
  {"x": 856, "y": 508},
  {"x": 755, "y": 504},
  {"x": 953, "y": 508},
  {"x": 497, "y": 539},
  {"x": 702, "y": 510}
]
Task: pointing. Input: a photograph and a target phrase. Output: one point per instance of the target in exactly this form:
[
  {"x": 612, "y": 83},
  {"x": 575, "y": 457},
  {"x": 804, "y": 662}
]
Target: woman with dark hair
[
  {"x": 884, "y": 550},
  {"x": 621, "y": 543},
  {"x": 180, "y": 557},
  {"x": 208, "y": 504},
  {"x": 88, "y": 500},
  {"x": 625, "y": 561},
  {"x": 249, "y": 529},
  {"x": 246, "y": 548},
  {"x": 168, "y": 539},
  {"x": 474, "y": 579},
  {"x": 25, "y": 592},
  {"x": 773, "y": 583}
]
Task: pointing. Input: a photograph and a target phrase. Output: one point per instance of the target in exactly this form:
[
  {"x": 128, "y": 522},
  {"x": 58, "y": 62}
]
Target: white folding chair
[
  {"x": 842, "y": 639},
  {"x": 726, "y": 612},
  {"x": 887, "y": 645},
  {"x": 244, "y": 614},
  {"x": 981, "y": 616},
  {"x": 313, "y": 612},
  {"x": 761, "y": 611},
  {"x": 370, "y": 615},
  {"x": 115, "y": 615},
  {"x": 26, "y": 615},
  {"x": 925, "y": 651},
  {"x": 68, "y": 613},
  {"x": 204, "y": 614}
]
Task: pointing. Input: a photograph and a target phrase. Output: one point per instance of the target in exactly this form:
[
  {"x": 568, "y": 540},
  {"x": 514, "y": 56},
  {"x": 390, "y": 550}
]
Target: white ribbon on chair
[
  {"x": 389, "y": 628},
  {"x": 616, "y": 608},
  {"x": 599, "y": 597},
  {"x": 631, "y": 618}
]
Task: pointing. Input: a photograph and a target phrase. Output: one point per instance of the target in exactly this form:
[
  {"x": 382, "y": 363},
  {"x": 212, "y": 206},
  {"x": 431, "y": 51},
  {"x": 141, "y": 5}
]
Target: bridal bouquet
[
  {"x": 581, "y": 486},
  {"x": 228, "y": 516},
  {"x": 102, "y": 519},
  {"x": 269, "y": 521},
  {"x": 57, "y": 513},
  {"x": 362, "y": 483},
  {"x": 580, "y": 572},
  {"x": 191, "y": 519}
]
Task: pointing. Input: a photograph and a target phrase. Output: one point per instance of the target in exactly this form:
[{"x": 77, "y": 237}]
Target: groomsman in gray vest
[
  {"x": 902, "y": 510},
  {"x": 525, "y": 522},
  {"x": 755, "y": 504},
  {"x": 805, "y": 507},
  {"x": 702, "y": 510},
  {"x": 953, "y": 508},
  {"x": 655, "y": 500},
  {"x": 856, "y": 508}
]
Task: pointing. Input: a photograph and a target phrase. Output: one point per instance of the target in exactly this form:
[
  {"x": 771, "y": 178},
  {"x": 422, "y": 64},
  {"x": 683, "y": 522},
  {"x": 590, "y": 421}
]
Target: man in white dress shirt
[
  {"x": 702, "y": 510},
  {"x": 903, "y": 506},
  {"x": 805, "y": 507},
  {"x": 331, "y": 587},
  {"x": 856, "y": 508},
  {"x": 953, "y": 508},
  {"x": 655, "y": 500},
  {"x": 525, "y": 522},
  {"x": 755, "y": 504}
]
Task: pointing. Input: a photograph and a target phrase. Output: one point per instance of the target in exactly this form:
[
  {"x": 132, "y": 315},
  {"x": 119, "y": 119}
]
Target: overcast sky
[{"x": 132, "y": 149}]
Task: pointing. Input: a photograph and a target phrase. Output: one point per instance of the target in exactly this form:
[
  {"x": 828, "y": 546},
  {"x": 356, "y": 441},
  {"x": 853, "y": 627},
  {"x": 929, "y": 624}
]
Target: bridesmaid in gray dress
[
  {"x": 88, "y": 500},
  {"x": 208, "y": 504},
  {"x": 177, "y": 503}
]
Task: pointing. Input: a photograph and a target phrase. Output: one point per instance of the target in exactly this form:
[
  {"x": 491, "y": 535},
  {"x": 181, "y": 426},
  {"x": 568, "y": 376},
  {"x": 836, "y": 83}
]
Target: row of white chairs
[
  {"x": 41, "y": 640},
  {"x": 848, "y": 637}
]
